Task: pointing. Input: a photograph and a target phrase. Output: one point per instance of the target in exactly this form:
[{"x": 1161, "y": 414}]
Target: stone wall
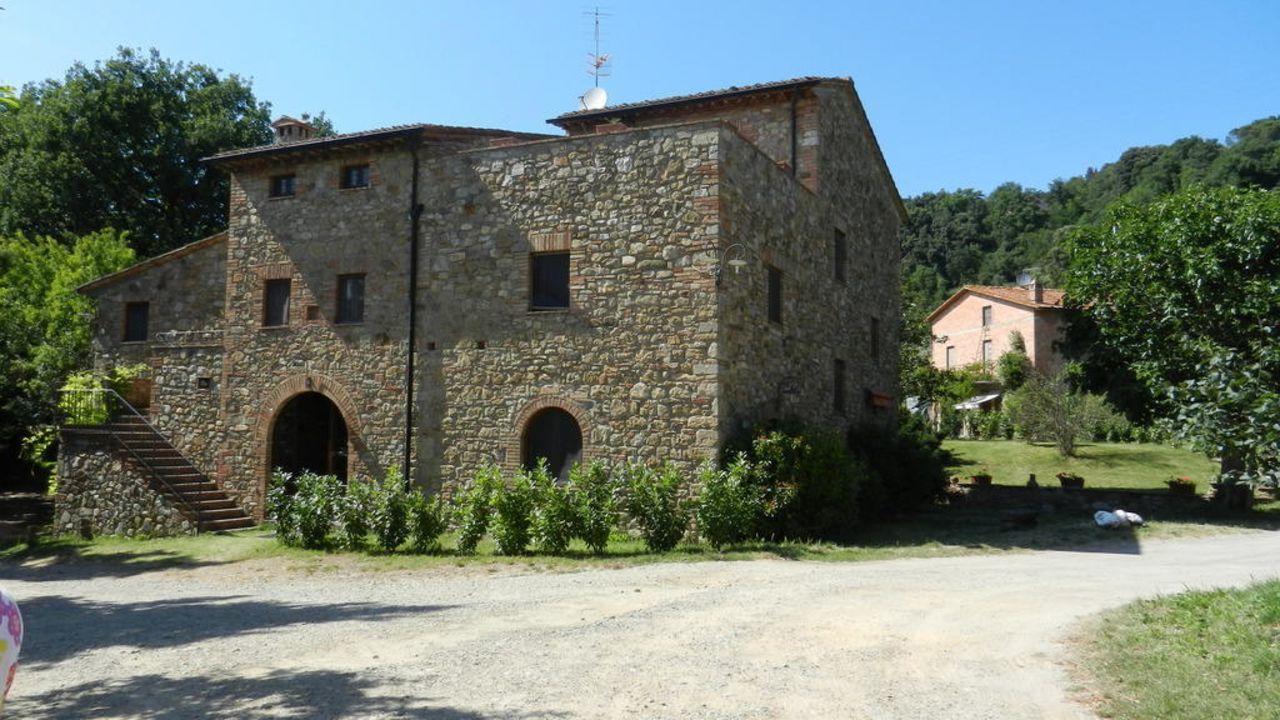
[
  {"x": 186, "y": 295},
  {"x": 630, "y": 357},
  {"x": 99, "y": 490},
  {"x": 1049, "y": 499}
]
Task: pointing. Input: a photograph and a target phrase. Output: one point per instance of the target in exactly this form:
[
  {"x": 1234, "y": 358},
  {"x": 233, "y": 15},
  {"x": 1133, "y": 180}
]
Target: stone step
[
  {"x": 212, "y": 505},
  {"x": 227, "y": 524}
]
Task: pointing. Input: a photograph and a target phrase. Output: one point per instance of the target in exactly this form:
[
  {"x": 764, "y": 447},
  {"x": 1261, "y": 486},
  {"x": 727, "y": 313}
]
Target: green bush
[
  {"x": 428, "y": 519},
  {"x": 314, "y": 506},
  {"x": 654, "y": 504},
  {"x": 994, "y": 425},
  {"x": 555, "y": 516},
  {"x": 728, "y": 502},
  {"x": 389, "y": 514},
  {"x": 591, "y": 490},
  {"x": 908, "y": 462},
  {"x": 354, "y": 508},
  {"x": 810, "y": 485},
  {"x": 473, "y": 508},
  {"x": 513, "y": 507},
  {"x": 280, "y": 507}
]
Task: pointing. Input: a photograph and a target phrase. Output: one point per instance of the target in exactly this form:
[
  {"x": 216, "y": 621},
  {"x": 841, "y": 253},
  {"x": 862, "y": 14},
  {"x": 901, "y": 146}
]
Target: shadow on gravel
[
  {"x": 60, "y": 628},
  {"x": 59, "y": 561},
  {"x": 310, "y": 694}
]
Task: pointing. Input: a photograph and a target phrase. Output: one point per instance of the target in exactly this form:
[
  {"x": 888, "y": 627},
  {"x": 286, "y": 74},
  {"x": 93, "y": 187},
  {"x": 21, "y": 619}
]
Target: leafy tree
[
  {"x": 1187, "y": 291},
  {"x": 1046, "y": 409},
  {"x": 119, "y": 145},
  {"x": 1014, "y": 366},
  {"x": 44, "y": 332},
  {"x": 7, "y": 99}
]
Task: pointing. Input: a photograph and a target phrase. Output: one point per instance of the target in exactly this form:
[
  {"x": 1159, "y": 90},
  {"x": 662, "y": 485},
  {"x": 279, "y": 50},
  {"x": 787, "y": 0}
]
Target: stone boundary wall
[
  {"x": 101, "y": 490},
  {"x": 1057, "y": 499}
]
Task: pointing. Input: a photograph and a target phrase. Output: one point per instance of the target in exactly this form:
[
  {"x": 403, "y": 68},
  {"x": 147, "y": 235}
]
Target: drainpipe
[{"x": 415, "y": 212}]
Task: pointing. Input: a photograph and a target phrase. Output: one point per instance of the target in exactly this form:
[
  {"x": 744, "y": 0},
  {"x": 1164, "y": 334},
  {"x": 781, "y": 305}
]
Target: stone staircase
[{"x": 173, "y": 475}]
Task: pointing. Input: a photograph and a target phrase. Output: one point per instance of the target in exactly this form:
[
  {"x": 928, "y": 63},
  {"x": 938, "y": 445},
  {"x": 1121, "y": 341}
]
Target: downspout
[
  {"x": 794, "y": 122},
  {"x": 415, "y": 212}
]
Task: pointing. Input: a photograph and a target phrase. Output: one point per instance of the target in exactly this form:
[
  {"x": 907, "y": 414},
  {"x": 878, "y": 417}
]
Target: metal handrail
[{"x": 90, "y": 404}]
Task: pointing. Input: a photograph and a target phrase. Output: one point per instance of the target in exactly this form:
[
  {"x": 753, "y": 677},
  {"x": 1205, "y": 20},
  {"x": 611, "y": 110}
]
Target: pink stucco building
[{"x": 976, "y": 323}]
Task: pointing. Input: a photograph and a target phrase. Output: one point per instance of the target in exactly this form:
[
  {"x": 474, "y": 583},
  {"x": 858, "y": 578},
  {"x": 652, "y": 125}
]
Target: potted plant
[
  {"x": 981, "y": 479},
  {"x": 1070, "y": 480},
  {"x": 1181, "y": 485}
]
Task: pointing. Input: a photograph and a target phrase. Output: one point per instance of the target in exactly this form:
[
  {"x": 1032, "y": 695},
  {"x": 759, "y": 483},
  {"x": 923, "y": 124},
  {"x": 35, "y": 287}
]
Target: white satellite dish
[{"x": 594, "y": 99}]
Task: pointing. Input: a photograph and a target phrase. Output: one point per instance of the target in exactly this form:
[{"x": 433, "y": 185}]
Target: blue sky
[{"x": 961, "y": 94}]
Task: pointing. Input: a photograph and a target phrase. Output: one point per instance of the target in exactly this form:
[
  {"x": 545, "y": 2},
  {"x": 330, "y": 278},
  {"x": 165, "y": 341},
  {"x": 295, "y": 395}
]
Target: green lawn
[
  {"x": 1190, "y": 656},
  {"x": 942, "y": 532},
  {"x": 1103, "y": 465}
]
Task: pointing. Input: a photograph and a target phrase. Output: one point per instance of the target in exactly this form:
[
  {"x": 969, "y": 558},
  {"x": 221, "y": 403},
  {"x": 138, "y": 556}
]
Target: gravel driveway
[{"x": 967, "y": 637}]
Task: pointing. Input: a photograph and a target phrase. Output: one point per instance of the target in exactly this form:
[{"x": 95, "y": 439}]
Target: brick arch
[
  {"x": 285, "y": 391},
  {"x": 511, "y": 462}
]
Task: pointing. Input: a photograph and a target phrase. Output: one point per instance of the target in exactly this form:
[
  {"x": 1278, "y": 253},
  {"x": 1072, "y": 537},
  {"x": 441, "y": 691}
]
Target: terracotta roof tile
[
  {"x": 383, "y": 133},
  {"x": 1051, "y": 298},
  {"x": 693, "y": 97}
]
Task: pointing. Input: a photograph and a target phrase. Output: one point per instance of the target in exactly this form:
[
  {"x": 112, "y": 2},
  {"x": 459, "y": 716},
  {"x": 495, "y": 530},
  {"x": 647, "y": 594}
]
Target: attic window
[
  {"x": 354, "y": 176},
  {"x": 282, "y": 186}
]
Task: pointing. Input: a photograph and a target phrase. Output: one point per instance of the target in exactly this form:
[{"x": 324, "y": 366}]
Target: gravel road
[{"x": 966, "y": 637}]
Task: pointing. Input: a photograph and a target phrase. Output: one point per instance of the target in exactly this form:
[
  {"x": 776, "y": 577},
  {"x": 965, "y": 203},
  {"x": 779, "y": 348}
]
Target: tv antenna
[{"x": 598, "y": 66}]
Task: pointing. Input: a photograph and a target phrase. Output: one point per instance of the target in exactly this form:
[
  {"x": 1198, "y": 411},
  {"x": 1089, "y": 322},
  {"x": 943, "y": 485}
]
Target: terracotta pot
[
  {"x": 1180, "y": 488},
  {"x": 981, "y": 480},
  {"x": 1072, "y": 483}
]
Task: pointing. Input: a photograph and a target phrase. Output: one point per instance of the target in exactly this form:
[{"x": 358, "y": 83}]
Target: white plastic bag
[
  {"x": 1131, "y": 518},
  {"x": 1110, "y": 520}
]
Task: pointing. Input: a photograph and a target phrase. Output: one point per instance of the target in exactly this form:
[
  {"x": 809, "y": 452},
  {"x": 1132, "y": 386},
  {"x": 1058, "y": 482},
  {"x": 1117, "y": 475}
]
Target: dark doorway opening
[
  {"x": 310, "y": 434},
  {"x": 552, "y": 434}
]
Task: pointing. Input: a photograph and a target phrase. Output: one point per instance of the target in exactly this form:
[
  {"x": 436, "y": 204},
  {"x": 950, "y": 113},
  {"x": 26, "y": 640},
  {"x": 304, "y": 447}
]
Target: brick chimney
[
  {"x": 289, "y": 129},
  {"x": 1035, "y": 290}
]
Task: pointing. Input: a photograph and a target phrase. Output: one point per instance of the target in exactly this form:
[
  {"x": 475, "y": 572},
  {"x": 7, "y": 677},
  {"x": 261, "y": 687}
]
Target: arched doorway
[
  {"x": 310, "y": 434},
  {"x": 552, "y": 433}
]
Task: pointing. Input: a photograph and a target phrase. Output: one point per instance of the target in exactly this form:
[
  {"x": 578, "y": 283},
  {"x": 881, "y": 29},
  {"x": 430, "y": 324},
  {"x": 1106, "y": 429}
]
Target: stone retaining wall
[
  {"x": 99, "y": 490},
  {"x": 1056, "y": 499}
]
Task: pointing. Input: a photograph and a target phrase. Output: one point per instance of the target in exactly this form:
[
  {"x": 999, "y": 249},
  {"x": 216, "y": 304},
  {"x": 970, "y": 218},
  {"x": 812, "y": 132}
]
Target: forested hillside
[{"x": 964, "y": 236}]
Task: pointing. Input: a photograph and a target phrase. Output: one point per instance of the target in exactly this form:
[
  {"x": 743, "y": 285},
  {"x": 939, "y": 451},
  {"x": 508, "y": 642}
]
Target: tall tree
[
  {"x": 1187, "y": 291},
  {"x": 118, "y": 145}
]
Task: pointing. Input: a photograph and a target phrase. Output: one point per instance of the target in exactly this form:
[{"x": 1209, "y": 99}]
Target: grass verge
[
  {"x": 942, "y": 532},
  {"x": 1103, "y": 465},
  {"x": 1195, "y": 655}
]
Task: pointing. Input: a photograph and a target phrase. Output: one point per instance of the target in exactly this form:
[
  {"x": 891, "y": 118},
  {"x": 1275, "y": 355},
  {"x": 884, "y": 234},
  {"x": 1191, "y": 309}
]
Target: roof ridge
[{"x": 697, "y": 96}]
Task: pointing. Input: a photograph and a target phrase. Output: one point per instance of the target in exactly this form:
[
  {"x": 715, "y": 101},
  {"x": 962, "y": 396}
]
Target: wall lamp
[{"x": 736, "y": 263}]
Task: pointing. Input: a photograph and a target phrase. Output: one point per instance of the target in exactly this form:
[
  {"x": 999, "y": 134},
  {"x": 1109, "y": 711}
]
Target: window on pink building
[
  {"x": 986, "y": 353},
  {"x": 951, "y": 357},
  {"x": 986, "y": 316}
]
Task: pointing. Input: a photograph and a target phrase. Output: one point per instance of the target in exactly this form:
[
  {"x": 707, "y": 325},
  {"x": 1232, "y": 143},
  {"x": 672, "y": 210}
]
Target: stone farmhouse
[
  {"x": 646, "y": 285},
  {"x": 976, "y": 325}
]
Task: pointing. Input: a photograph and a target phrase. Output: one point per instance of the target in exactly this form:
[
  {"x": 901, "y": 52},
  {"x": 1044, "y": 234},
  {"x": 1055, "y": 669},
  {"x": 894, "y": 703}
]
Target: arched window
[{"x": 553, "y": 434}]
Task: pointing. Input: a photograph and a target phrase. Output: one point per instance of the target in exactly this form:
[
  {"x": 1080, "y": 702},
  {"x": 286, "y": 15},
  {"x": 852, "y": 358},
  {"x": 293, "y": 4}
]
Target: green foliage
[
  {"x": 591, "y": 490},
  {"x": 473, "y": 508},
  {"x": 514, "y": 506},
  {"x": 119, "y": 144},
  {"x": 1187, "y": 291},
  {"x": 907, "y": 463},
  {"x": 810, "y": 484},
  {"x": 555, "y": 515},
  {"x": 44, "y": 326},
  {"x": 355, "y": 509},
  {"x": 729, "y": 502},
  {"x": 1013, "y": 367},
  {"x": 1046, "y": 409},
  {"x": 280, "y": 507},
  {"x": 654, "y": 504},
  {"x": 389, "y": 513},
  {"x": 7, "y": 99},
  {"x": 313, "y": 508},
  {"x": 428, "y": 520}
]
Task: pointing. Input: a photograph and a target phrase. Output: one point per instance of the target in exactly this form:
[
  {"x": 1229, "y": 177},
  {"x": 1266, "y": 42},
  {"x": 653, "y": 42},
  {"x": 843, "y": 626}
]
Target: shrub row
[{"x": 785, "y": 484}]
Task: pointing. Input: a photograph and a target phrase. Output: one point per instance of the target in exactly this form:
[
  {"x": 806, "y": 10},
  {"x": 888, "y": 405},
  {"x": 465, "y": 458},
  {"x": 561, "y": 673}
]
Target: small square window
[
  {"x": 548, "y": 281},
  {"x": 837, "y": 394},
  {"x": 841, "y": 251},
  {"x": 350, "y": 299},
  {"x": 775, "y": 295},
  {"x": 313, "y": 313},
  {"x": 354, "y": 176},
  {"x": 986, "y": 316},
  {"x": 136, "y": 319},
  {"x": 275, "y": 302},
  {"x": 282, "y": 185},
  {"x": 204, "y": 383}
]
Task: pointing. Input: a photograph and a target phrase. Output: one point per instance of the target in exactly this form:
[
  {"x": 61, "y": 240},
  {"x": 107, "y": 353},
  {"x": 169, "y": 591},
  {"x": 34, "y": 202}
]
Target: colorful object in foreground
[{"x": 10, "y": 641}]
